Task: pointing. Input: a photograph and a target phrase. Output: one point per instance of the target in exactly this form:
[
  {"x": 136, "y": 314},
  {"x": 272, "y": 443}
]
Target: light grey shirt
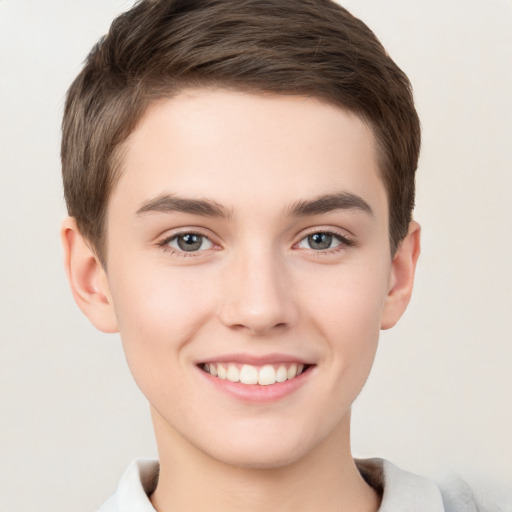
[{"x": 401, "y": 491}]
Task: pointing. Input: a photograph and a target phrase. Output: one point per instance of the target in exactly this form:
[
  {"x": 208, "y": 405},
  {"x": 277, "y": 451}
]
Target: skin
[{"x": 255, "y": 288}]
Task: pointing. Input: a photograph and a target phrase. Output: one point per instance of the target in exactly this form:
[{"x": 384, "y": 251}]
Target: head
[
  {"x": 239, "y": 172},
  {"x": 159, "y": 48}
]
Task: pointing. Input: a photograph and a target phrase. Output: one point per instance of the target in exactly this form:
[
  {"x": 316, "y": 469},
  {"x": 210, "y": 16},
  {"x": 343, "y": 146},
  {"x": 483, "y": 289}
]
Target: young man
[{"x": 239, "y": 176}]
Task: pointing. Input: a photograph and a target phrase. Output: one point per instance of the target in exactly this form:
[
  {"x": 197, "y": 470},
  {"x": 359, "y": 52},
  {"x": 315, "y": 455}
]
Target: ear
[
  {"x": 87, "y": 278},
  {"x": 401, "y": 279}
]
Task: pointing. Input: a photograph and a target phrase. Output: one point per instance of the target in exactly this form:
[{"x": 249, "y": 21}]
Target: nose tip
[
  {"x": 257, "y": 299},
  {"x": 257, "y": 322}
]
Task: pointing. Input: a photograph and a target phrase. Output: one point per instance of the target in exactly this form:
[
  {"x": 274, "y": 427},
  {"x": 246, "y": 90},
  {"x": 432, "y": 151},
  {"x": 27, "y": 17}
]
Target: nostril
[{"x": 258, "y": 327}]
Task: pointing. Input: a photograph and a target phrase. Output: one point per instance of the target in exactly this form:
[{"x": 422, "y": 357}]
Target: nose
[{"x": 257, "y": 294}]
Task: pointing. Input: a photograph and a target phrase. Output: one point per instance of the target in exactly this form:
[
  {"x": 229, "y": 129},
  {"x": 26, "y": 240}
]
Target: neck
[{"x": 325, "y": 479}]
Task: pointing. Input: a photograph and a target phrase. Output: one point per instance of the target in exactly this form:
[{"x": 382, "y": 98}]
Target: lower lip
[{"x": 255, "y": 393}]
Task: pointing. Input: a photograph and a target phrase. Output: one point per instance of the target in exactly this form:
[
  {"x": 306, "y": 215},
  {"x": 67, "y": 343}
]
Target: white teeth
[
  {"x": 281, "y": 374},
  {"x": 233, "y": 373},
  {"x": 267, "y": 375},
  {"x": 221, "y": 372},
  {"x": 248, "y": 374}
]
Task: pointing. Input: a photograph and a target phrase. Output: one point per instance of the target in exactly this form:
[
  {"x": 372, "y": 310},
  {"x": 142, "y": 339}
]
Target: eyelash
[
  {"x": 164, "y": 244},
  {"x": 343, "y": 245}
]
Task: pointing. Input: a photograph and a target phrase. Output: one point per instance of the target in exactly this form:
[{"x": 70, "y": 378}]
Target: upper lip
[{"x": 255, "y": 360}]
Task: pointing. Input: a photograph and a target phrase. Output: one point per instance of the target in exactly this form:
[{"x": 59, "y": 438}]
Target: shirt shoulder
[
  {"x": 479, "y": 496},
  {"x": 403, "y": 491}
]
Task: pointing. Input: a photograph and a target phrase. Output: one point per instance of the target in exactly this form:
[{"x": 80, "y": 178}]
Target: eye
[
  {"x": 322, "y": 241},
  {"x": 189, "y": 242}
]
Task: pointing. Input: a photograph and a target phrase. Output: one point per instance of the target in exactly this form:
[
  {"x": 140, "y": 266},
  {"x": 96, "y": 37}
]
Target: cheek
[
  {"x": 159, "y": 309},
  {"x": 348, "y": 301},
  {"x": 159, "y": 314},
  {"x": 347, "y": 311}
]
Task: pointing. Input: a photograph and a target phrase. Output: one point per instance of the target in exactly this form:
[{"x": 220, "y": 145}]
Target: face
[{"x": 248, "y": 240}]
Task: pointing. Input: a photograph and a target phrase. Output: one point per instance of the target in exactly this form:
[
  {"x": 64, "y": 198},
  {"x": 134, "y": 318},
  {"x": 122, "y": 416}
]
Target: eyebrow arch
[
  {"x": 329, "y": 202},
  {"x": 168, "y": 203}
]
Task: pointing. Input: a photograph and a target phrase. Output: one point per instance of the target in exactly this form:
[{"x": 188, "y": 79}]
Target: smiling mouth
[{"x": 265, "y": 375}]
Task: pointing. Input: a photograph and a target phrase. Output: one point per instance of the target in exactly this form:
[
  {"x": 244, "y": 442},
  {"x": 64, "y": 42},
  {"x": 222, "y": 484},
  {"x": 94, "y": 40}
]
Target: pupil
[
  {"x": 190, "y": 242},
  {"x": 320, "y": 241}
]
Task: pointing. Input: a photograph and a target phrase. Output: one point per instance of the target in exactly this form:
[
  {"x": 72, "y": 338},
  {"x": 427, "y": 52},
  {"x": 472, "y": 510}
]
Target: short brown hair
[{"x": 312, "y": 47}]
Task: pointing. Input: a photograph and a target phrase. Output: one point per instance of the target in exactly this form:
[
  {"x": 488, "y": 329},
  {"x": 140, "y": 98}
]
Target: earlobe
[
  {"x": 87, "y": 278},
  {"x": 403, "y": 268}
]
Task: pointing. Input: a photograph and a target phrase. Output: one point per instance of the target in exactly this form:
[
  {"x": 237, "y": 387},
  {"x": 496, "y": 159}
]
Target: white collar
[{"x": 401, "y": 491}]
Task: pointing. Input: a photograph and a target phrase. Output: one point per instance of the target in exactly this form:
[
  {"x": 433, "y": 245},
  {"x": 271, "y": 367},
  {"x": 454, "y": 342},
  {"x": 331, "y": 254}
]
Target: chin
[
  {"x": 259, "y": 452},
  {"x": 259, "y": 459}
]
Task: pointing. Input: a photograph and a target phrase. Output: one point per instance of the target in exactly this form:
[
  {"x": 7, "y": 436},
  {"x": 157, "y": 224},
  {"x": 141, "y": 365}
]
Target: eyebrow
[
  {"x": 168, "y": 203},
  {"x": 329, "y": 202}
]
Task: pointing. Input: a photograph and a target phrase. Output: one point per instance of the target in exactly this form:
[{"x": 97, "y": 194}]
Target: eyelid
[
  {"x": 170, "y": 235},
  {"x": 343, "y": 236},
  {"x": 203, "y": 239}
]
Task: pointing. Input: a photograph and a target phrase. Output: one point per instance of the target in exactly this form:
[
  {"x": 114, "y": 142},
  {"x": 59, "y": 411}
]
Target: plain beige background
[{"x": 439, "y": 399}]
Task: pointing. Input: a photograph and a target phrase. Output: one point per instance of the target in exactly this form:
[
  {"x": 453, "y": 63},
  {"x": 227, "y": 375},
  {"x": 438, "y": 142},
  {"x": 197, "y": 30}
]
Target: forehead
[{"x": 247, "y": 150}]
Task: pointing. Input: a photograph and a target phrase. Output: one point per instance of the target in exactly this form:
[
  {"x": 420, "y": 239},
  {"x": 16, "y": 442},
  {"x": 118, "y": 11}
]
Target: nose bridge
[{"x": 257, "y": 292}]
